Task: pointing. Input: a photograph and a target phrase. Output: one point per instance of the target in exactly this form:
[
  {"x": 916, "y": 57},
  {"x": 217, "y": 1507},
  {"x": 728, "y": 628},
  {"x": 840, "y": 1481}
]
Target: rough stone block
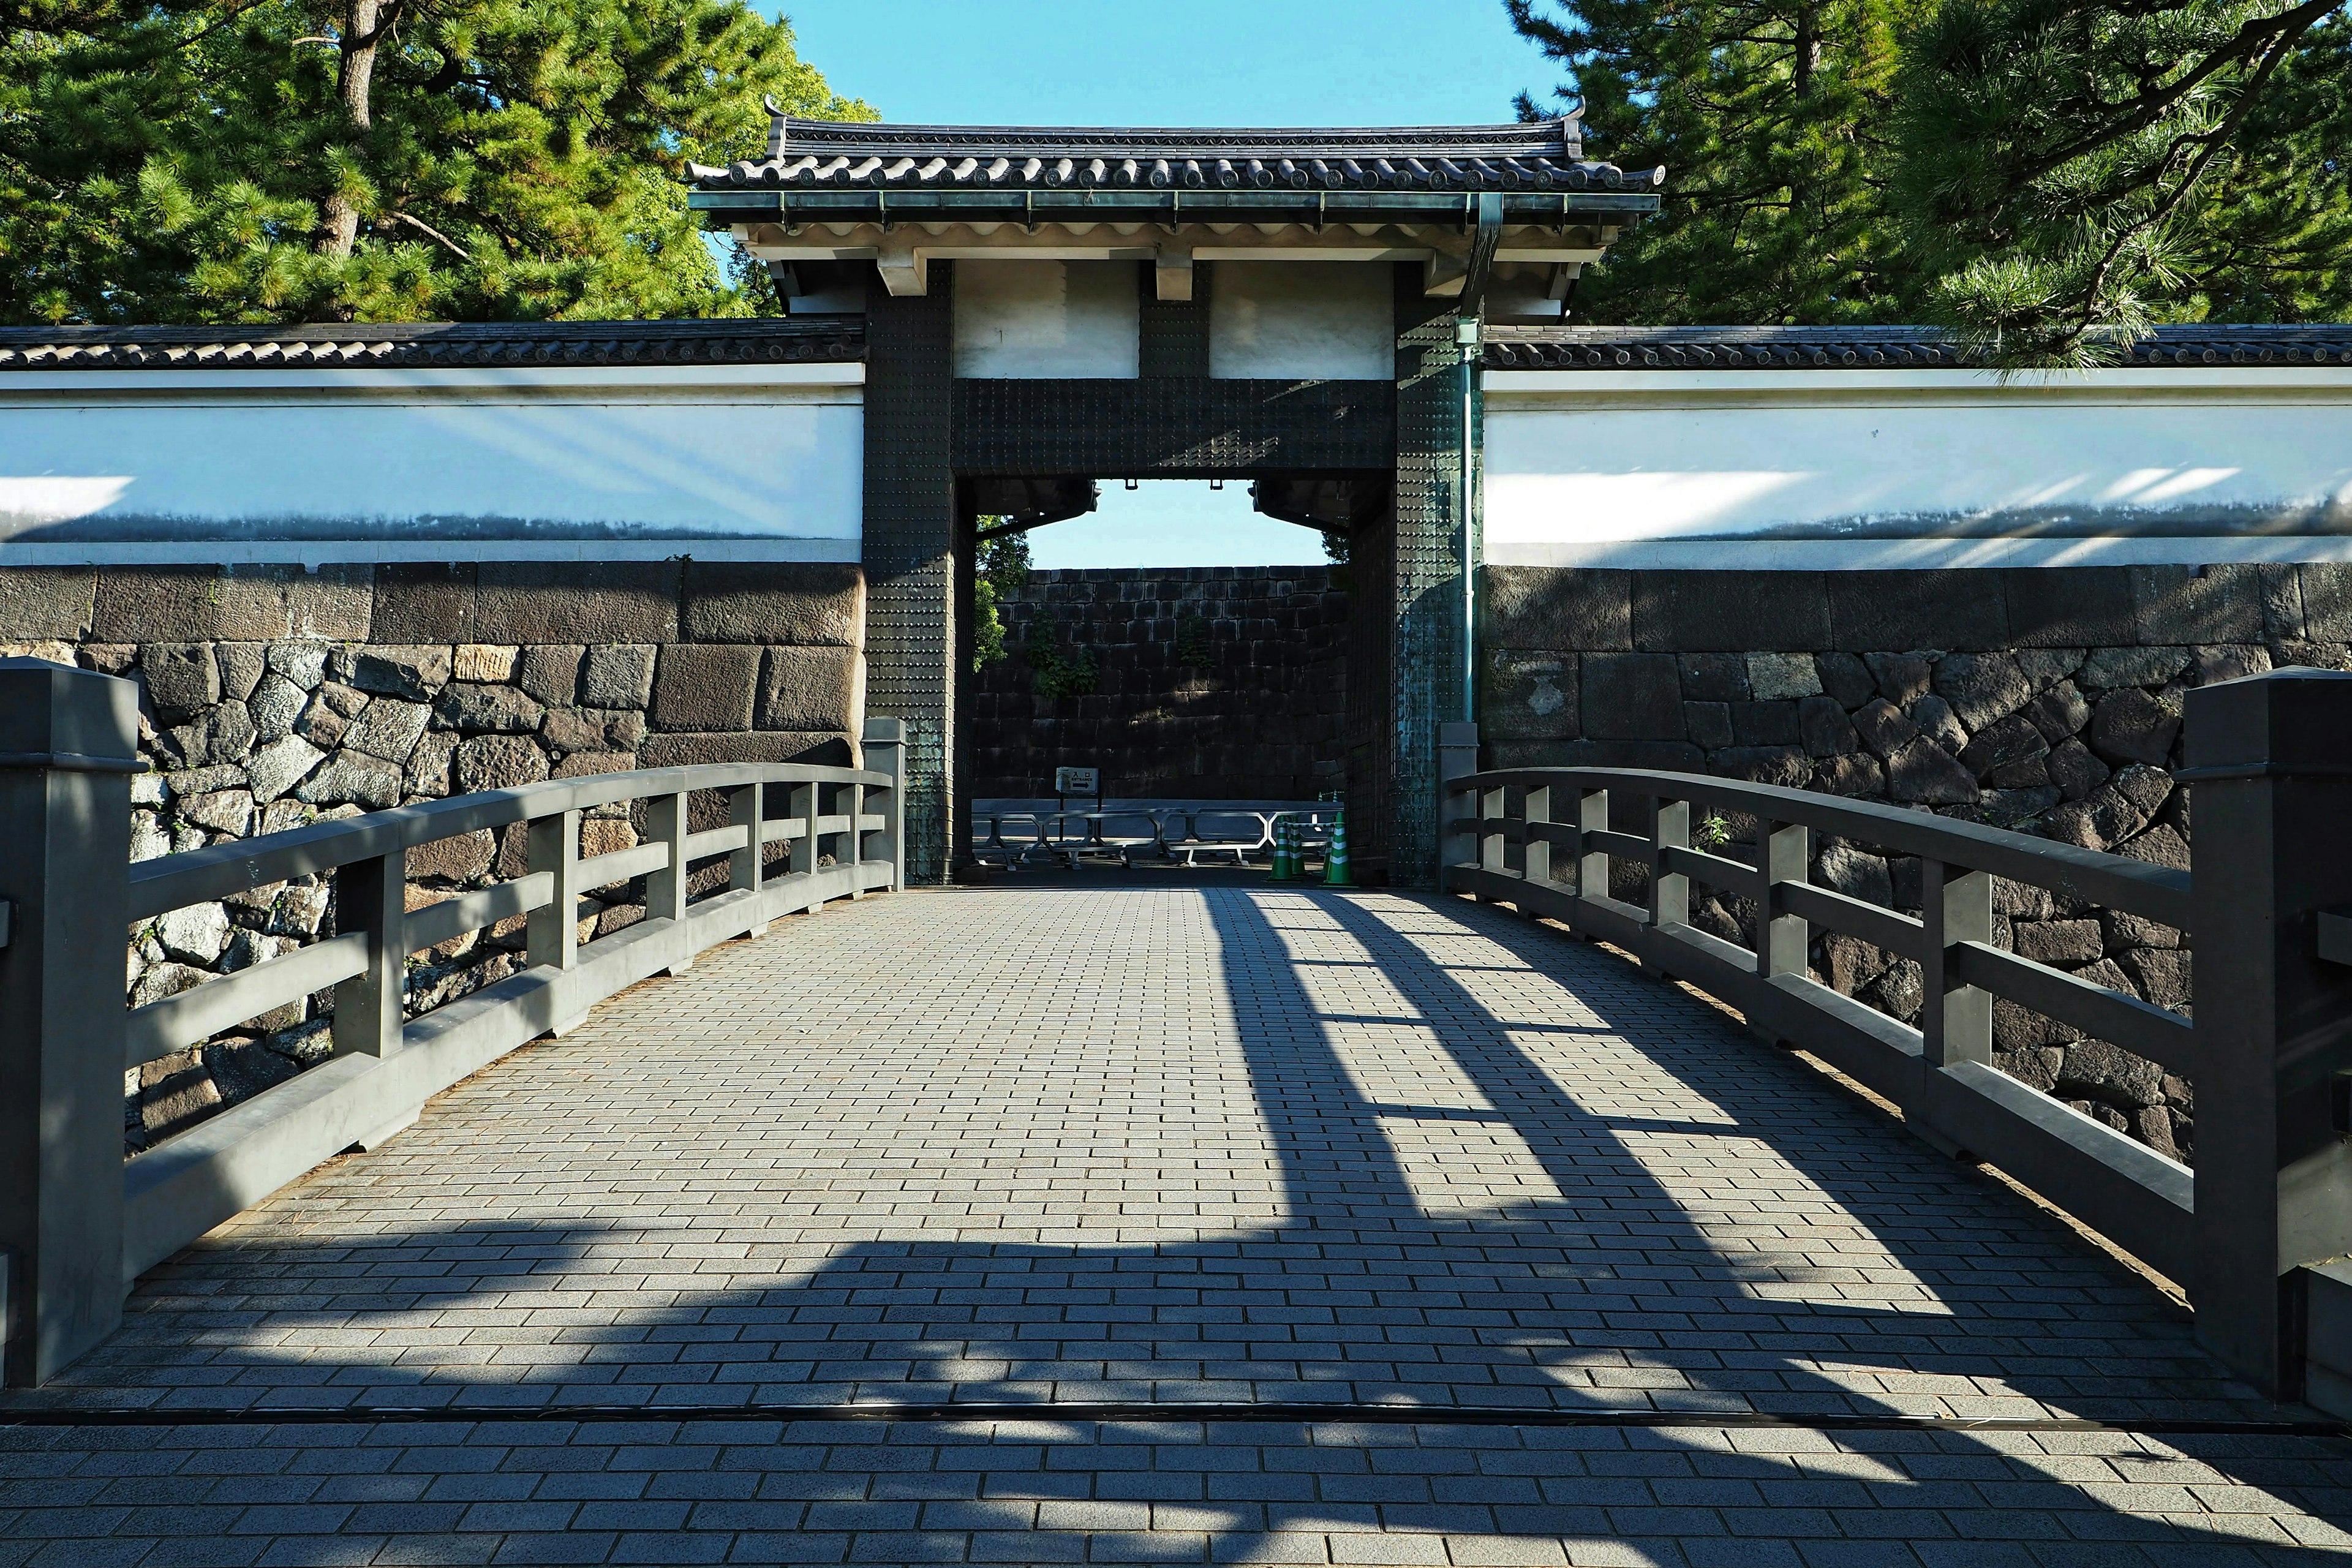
[
  {"x": 1938, "y": 723},
  {"x": 526, "y": 602},
  {"x": 2111, "y": 667},
  {"x": 1783, "y": 765},
  {"x": 423, "y": 602},
  {"x": 1981, "y": 687},
  {"x": 1715, "y": 678},
  {"x": 1845, "y": 870},
  {"x": 2282, "y": 589},
  {"x": 1824, "y": 728},
  {"x": 1561, "y": 608},
  {"x": 549, "y": 673},
  {"x": 617, "y": 675},
  {"x": 585, "y": 765},
  {"x": 2058, "y": 712},
  {"x": 2059, "y": 941},
  {"x": 496, "y": 762},
  {"x": 2227, "y": 662},
  {"x": 182, "y": 679},
  {"x": 2129, "y": 725},
  {"x": 1960, "y": 609},
  {"x": 351, "y": 778},
  {"x": 1730, "y": 612},
  {"x": 38, "y": 602},
  {"x": 1764, "y": 723},
  {"x": 280, "y": 765},
  {"x": 413, "y": 672},
  {"x": 1924, "y": 772},
  {"x": 2069, "y": 606},
  {"x": 1855, "y": 773},
  {"x": 336, "y": 602},
  {"x": 472, "y": 709},
  {"x": 2160, "y": 846},
  {"x": 2100, "y": 1071},
  {"x": 134, "y": 603},
  {"x": 1632, "y": 696},
  {"x": 428, "y": 764},
  {"x": 223, "y": 733},
  {"x": 806, "y": 602},
  {"x": 2219, "y": 603},
  {"x": 1845, "y": 677},
  {"x": 1528, "y": 696},
  {"x": 1781, "y": 675},
  {"x": 1882, "y": 727},
  {"x": 812, "y": 688},
  {"x": 2002, "y": 742},
  {"x": 705, "y": 687},
  {"x": 388, "y": 729},
  {"x": 2073, "y": 769},
  {"x": 1708, "y": 724},
  {"x": 677, "y": 751},
  {"x": 484, "y": 663},
  {"x": 1903, "y": 678},
  {"x": 242, "y": 666},
  {"x": 2162, "y": 975}
]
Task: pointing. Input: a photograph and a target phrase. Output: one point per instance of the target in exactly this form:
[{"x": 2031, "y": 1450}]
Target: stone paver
[{"x": 1162, "y": 1144}]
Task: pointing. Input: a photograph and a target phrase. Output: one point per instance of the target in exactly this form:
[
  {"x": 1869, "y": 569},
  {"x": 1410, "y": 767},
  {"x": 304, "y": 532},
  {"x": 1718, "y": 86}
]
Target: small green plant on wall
[
  {"x": 1003, "y": 571},
  {"x": 1711, "y": 834},
  {"x": 1059, "y": 674},
  {"x": 1192, "y": 649}
]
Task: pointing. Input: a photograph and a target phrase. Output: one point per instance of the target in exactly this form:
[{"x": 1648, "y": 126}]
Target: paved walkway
[{"x": 1158, "y": 1145}]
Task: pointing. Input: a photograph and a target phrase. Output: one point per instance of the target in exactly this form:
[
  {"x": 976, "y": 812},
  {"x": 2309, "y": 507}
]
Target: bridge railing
[
  {"x": 78, "y": 1223},
  {"x": 2257, "y": 1232}
]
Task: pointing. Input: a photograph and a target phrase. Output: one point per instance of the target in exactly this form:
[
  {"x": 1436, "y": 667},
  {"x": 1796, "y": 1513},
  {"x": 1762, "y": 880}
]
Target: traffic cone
[
  {"x": 1286, "y": 851},
  {"x": 1335, "y": 858}
]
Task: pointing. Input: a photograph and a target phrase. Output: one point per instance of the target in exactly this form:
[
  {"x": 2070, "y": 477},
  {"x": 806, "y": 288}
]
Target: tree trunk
[
  {"x": 1808, "y": 49},
  {"x": 358, "y": 69}
]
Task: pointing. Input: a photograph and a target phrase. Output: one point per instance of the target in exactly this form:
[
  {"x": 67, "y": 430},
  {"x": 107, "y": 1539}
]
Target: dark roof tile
[
  {"x": 1875, "y": 348},
  {"x": 410, "y": 344}
]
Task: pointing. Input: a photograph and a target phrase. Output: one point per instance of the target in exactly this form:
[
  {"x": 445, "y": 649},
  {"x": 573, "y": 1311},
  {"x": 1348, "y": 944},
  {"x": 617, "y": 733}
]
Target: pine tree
[
  {"x": 1771, "y": 121},
  {"x": 2075, "y": 171},
  {"x": 189, "y": 161}
]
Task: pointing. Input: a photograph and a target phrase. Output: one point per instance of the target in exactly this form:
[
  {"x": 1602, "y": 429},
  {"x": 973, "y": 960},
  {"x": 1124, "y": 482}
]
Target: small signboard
[{"x": 1077, "y": 781}]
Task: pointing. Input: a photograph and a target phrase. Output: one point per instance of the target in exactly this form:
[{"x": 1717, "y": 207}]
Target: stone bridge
[
  {"x": 1144, "y": 1221},
  {"x": 1246, "y": 1225}
]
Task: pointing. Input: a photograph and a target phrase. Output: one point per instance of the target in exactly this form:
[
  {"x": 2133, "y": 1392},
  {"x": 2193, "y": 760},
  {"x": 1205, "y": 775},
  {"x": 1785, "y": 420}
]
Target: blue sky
[{"x": 1206, "y": 62}]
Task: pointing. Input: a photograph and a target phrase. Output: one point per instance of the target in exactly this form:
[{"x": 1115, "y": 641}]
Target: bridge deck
[{"x": 1235, "y": 1146}]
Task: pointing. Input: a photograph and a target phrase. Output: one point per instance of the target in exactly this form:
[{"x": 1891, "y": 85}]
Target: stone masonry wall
[
  {"x": 2045, "y": 700},
  {"x": 1219, "y": 682},
  {"x": 271, "y": 698}
]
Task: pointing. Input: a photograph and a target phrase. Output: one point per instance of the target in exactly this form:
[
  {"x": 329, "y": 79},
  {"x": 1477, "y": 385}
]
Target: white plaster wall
[
  {"x": 1302, "y": 321},
  {"x": 445, "y": 468},
  {"x": 1818, "y": 471},
  {"x": 1033, "y": 320}
]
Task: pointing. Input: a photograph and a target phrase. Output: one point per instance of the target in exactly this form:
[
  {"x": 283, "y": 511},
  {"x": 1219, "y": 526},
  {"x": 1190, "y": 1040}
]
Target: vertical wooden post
[
  {"x": 1956, "y": 1020},
  {"x": 1783, "y": 939},
  {"x": 370, "y": 897},
  {"x": 746, "y": 809},
  {"x": 1592, "y": 865},
  {"x": 1669, "y": 890},
  {"x": 1536, "y": 810},
  {"x": 885, "y": 753},
  {"x": 667, "y": 818},
  {"x": 68, "y": 744},
  {"x": 2269, "y": 763},
  {"x": 553, "y": 929}
]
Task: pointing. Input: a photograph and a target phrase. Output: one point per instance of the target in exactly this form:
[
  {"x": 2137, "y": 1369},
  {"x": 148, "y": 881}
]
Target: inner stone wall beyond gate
[
  {"x": 271, "y": 698},
  {"x": 1213, "y": 682},
  {"x": 2045, "y": 700}
]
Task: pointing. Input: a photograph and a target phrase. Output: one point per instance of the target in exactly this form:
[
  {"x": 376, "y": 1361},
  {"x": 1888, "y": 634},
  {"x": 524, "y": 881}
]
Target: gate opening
[{"x": 1211, "y": 652}]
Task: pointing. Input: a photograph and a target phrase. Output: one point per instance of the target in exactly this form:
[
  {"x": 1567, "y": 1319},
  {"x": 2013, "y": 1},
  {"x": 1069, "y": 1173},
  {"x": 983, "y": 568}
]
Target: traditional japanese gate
[{"x": 1044, "y": 307}]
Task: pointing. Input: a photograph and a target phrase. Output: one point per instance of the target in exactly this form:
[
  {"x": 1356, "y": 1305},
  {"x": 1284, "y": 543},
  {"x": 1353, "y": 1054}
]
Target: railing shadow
[{"x": 1493, "y": 1190}]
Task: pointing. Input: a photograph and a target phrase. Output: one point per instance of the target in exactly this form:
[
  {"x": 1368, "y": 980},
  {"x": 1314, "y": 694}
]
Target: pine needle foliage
[
  {"x": 275, "y": 161},
  {"x": 2073, "y": 173},
  {"x": 1771, "y": 118}
]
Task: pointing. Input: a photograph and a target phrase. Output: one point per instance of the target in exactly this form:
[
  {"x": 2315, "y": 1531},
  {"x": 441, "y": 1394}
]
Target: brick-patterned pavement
[{"x": 1236, "y": 1145}]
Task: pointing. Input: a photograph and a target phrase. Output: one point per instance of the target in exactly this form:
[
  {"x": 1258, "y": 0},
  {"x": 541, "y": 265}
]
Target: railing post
[
  {"x": 1954, "y": 1020},
  {"x": 1493, "y": 807},
  {"x": 666, "y": 818},
  {"x": 746, "y": 810},
  {"x": 2270, "y": 761},
  {"x": 1457, "y": 759},
  {"x": 1536, "y": 813},
  {"x": 1783, "y": 939},
  {"x": 1669, "y": 890},
  {"x": 805, "y": 806},
  {"x": 885, "y": 753},
  {"x": 371, "y": 896},
  {"x": 1592, "y": 867},
  {"x": 552, "y": 931},
  {"x": 68, "y": 744},
  {"x": 853, "y": 848}
]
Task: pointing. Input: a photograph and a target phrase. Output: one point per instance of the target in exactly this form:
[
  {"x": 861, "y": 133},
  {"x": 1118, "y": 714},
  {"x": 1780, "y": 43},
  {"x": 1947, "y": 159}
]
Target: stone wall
[
  {"x": 1217, "y": 682},
  {"x": 273, "y": 698},
  {"x": 2045, "y": 700}
]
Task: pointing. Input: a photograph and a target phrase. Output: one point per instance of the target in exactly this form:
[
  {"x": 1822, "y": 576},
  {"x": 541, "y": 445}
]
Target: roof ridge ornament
[{"x": 779, "y": 135}]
